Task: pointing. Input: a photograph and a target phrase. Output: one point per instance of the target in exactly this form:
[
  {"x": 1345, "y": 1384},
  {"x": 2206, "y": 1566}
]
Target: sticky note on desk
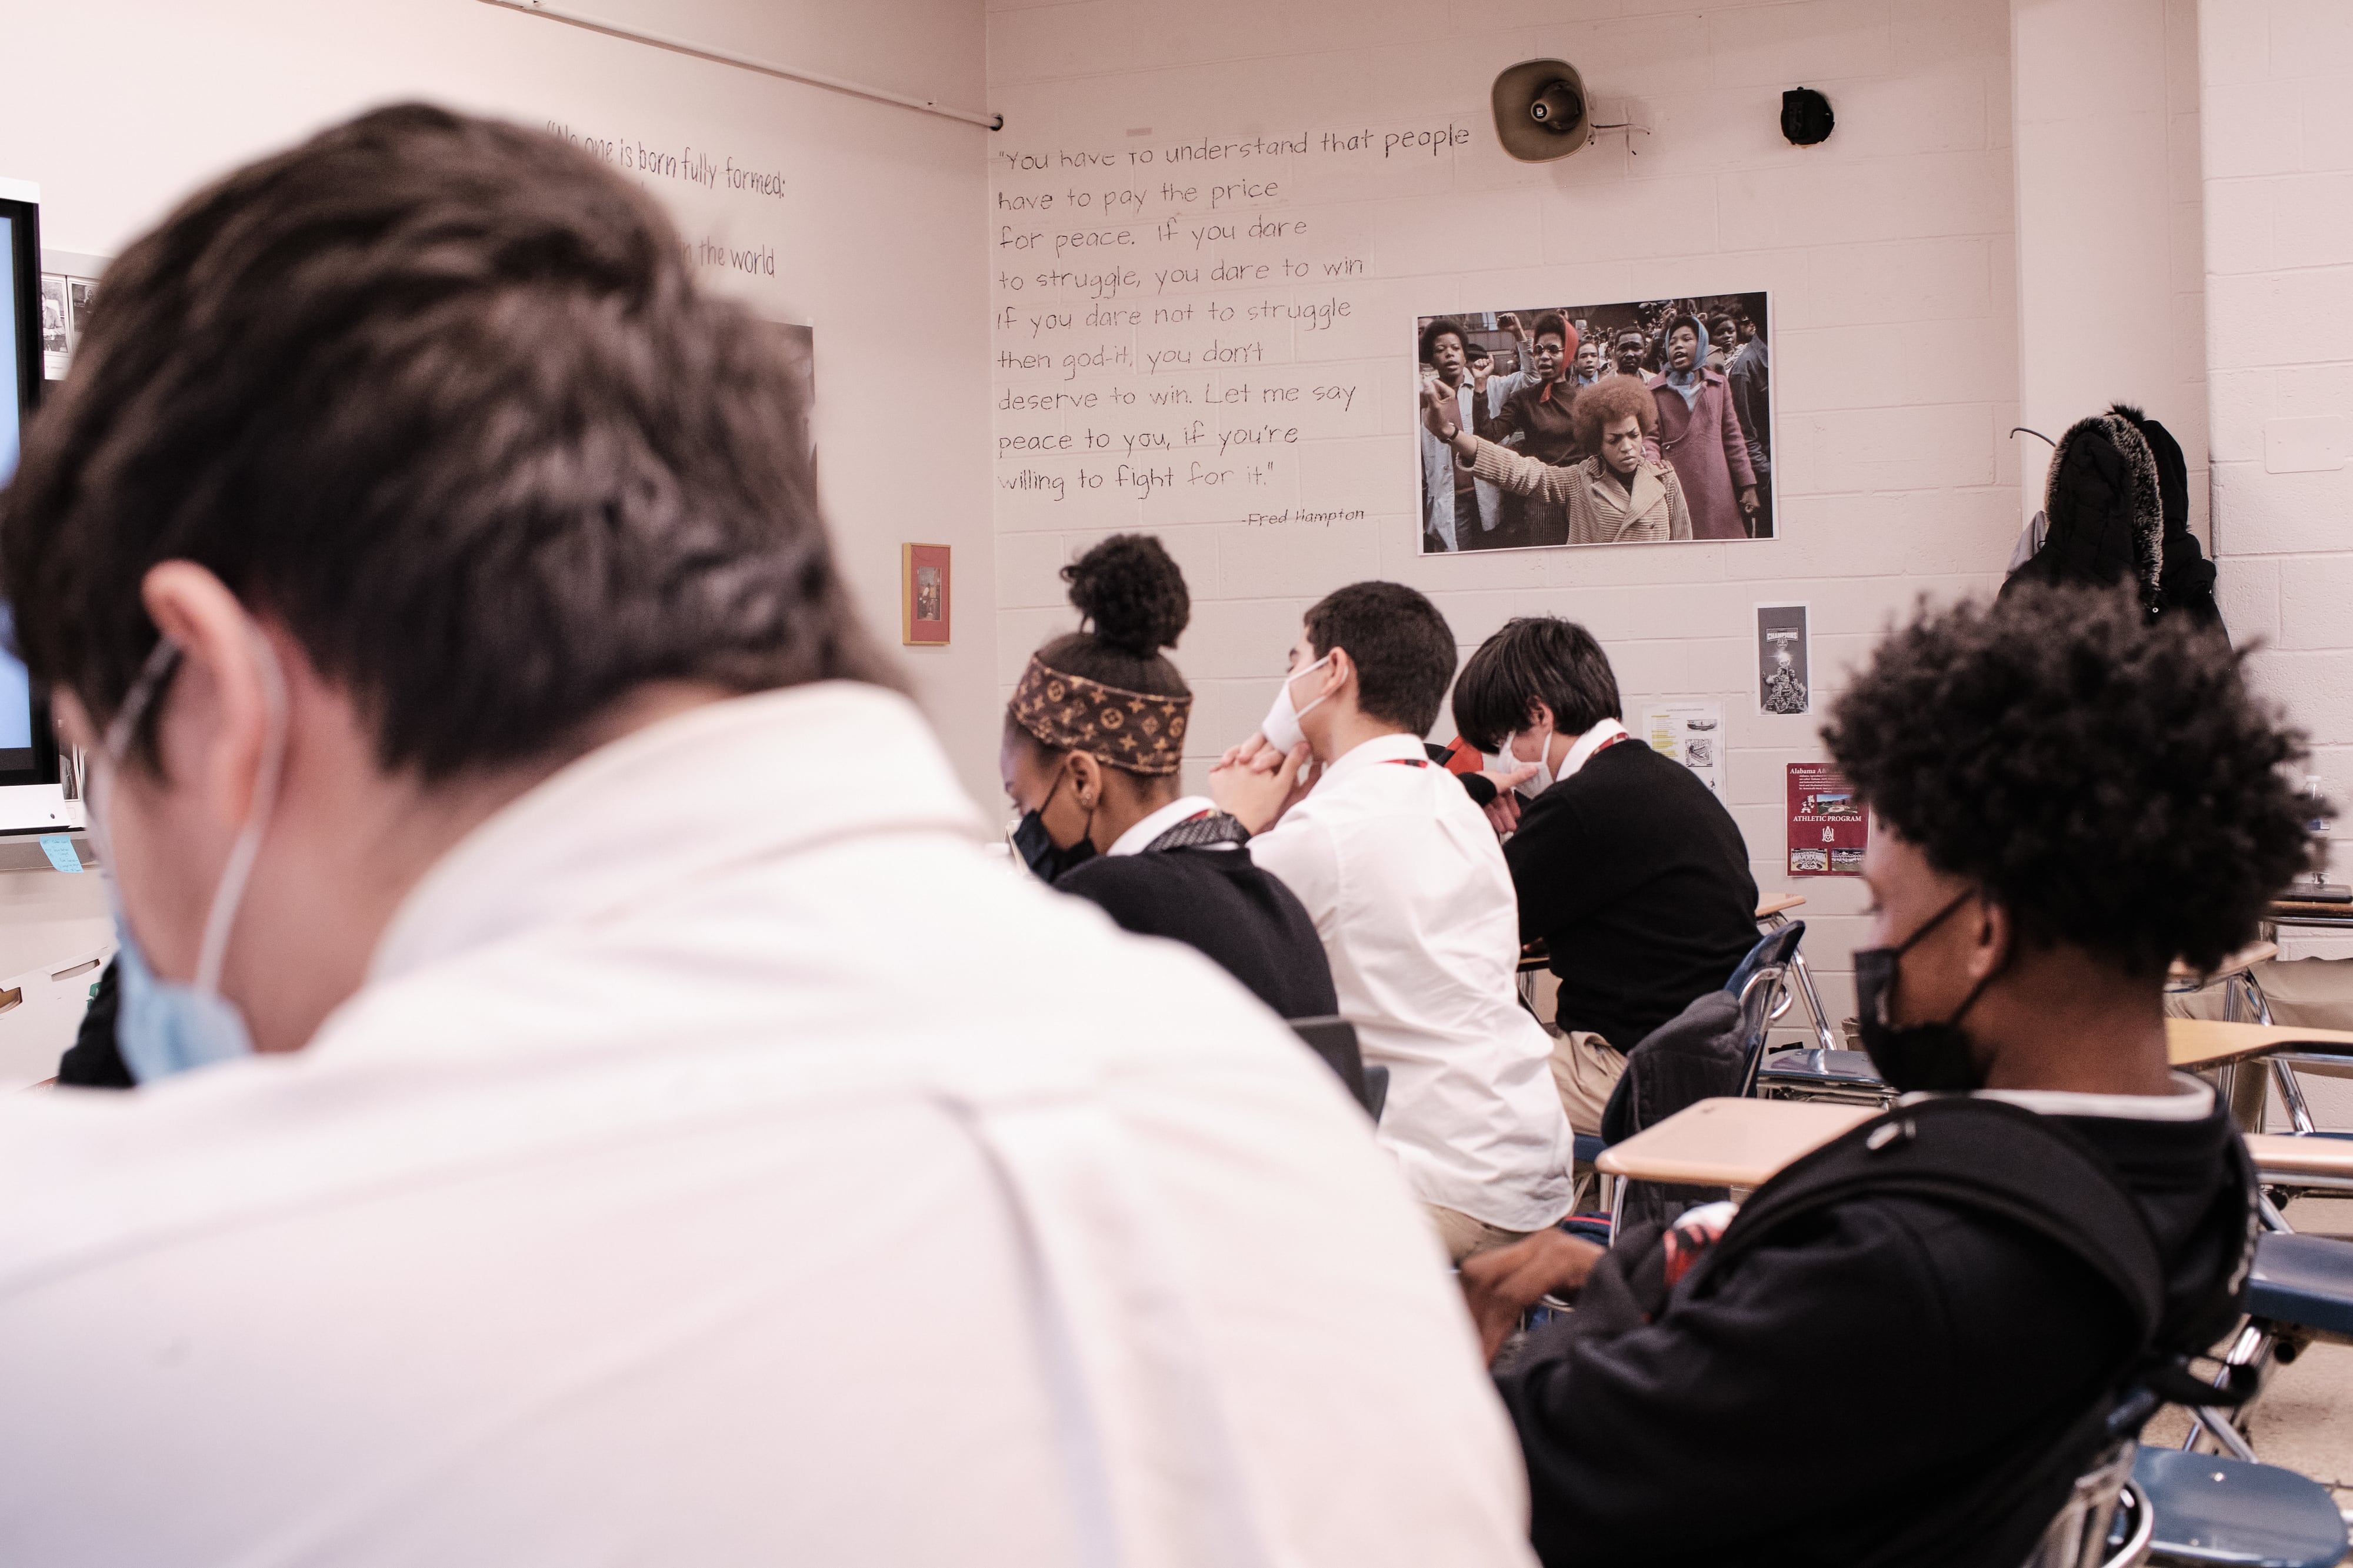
[{"x": 61, "y": 851}]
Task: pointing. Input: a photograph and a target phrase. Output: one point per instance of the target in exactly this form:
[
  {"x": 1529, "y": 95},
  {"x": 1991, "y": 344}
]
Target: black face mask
[
  {"x": 1914, "y": 1058},
  {"x": 1037, "y": 848}
]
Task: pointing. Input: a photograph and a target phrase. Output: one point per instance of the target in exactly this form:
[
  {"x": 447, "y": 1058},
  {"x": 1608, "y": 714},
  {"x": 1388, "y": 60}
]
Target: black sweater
[
  {"x": 1820, "y": 1392},
  {"x": 1221, "y": 903},
  {"x": 1635, "y": 876}
]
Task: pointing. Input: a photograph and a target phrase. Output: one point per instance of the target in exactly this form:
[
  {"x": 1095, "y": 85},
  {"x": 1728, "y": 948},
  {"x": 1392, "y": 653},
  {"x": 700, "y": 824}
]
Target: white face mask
[
  {"x": 1282, "y": 726},
  {"x": 1511, "y": 759}
]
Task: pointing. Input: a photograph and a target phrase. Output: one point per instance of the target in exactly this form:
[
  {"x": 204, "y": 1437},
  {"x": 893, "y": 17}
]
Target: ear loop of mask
[
  {"x": 212, "y": 952},
  {"x": 222, "y": 917}
]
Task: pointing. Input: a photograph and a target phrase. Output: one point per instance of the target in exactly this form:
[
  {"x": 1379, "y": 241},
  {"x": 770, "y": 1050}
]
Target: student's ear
[
  {"x": 1539, "y": 712},
  {"x": 1344, "y": 671},
  {"x": 1991, "y": 941},
  {"x": 1086, "y": 779}
]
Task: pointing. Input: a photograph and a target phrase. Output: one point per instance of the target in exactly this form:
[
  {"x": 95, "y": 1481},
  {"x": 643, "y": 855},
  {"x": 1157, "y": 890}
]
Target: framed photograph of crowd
[{"x": 1647, "y": 421}]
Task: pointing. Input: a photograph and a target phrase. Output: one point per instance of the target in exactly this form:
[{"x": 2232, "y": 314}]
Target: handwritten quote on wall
[{"x": 1173, "y": 320}]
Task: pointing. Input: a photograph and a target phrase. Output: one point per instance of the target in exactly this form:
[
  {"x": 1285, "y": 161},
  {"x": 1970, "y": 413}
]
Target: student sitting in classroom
[
  {"x": 1093, "y": 740},
  {"x": 1625, "y": 864},
  {"x": 2064, "y": 799},
  {"x": 1410, "y": 895},
  {"x": 563, "y": 1103}
]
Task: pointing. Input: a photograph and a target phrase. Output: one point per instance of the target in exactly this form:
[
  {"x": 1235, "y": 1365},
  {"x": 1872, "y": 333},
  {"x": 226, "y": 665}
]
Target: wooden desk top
[
  {"x": 2206, "y": 1042},
  {"x": 2277, "y": 1155},
  {"x": 1729, "y": 1142}
]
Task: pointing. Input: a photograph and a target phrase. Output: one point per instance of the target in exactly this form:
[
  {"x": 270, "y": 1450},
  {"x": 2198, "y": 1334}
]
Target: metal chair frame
[
  {"x": 2261, "y": 1344},
  {"x": 1764, "y": 996},
  {"x": 1804, "y": 987},
  {"x": 2244, "y": 1001},
  {"x": 2077, "y": 1536}
]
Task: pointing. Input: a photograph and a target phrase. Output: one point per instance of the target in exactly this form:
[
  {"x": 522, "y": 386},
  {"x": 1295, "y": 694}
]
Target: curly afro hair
[
  {"x": 2111, "y": 783},
  {"x": 1612, "y": 399}
]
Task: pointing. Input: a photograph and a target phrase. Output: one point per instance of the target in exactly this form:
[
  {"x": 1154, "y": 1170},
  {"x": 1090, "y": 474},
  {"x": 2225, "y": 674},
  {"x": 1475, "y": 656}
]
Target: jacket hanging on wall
[{"x": 2117, "y": 507}]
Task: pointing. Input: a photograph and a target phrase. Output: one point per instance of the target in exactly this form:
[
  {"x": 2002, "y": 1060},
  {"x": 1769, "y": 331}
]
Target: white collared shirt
[
  {"x": 1408, "y": 890},
  {"x": 705, "y": 1134},
  {"x": 1183, "y": 809},
  {"x": 1593, "y": 740}
]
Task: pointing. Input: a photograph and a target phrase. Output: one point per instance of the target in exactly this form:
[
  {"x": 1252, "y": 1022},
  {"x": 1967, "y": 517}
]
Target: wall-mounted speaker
[
  {"x": 1806, "y": 116},
  {"x": 1540, "y": 110}
]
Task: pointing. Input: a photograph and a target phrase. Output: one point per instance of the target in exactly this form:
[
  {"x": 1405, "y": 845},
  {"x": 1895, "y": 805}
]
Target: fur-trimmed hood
[{"x": 2106, "y": 514}]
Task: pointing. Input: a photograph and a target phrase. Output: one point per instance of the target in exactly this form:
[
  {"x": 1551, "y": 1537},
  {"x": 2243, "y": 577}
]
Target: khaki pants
[
  {"x": 1464, "y": 1235},
  {"x": 1585, "y": 1068}
]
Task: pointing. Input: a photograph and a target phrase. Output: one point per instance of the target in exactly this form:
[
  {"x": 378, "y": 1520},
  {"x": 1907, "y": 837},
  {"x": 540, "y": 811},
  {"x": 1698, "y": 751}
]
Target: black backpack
[{"x": 2034, "y": 1173}]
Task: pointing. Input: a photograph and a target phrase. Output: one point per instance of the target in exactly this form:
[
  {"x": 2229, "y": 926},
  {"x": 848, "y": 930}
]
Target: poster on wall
[
  {"x": 799, "y": 345},
  {"x": 1692, "y": 734},
  {"x": 1652, "y": 420},
  {"x": 1785, "y": 658},
  {"x": 56, "y": 341},
  {"x": 1827, "y": 828},
  {"x": 923, "y": 595}
]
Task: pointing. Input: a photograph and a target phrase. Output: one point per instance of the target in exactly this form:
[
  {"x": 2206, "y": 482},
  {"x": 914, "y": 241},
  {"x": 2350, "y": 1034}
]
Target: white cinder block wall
[
  {"x": 2276, "y": 78},
  {"x": 1888, "y": 252},
  {"x": 876, "y": 231}
]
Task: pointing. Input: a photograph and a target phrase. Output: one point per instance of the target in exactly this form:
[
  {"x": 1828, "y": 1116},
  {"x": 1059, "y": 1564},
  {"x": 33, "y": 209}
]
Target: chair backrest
[
  {"x": 1760, "y": 985},
  {"x": 1773, "y": 950},
  {"x": 1334, "y": 1039}
]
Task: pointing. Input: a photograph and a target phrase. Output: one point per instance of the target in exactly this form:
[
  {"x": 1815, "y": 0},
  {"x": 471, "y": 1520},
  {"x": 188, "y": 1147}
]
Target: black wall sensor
[{"x": 1806, "y": 116}]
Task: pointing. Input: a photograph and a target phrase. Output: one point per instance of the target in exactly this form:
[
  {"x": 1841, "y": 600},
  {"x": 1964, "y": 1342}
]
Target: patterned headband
[{"x": 1128, "y": 729}]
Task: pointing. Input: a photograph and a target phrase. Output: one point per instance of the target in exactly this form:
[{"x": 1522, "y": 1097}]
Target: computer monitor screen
[{"x": 30, "y": 799}]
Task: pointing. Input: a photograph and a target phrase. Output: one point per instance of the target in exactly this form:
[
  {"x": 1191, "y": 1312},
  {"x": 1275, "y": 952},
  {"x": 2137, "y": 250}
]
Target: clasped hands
[
  {"x": 1502, "y": 1285},
  {"x": 1254, "y": 783}
]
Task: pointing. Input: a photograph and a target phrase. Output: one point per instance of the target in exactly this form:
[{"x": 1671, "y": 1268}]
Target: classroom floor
[{"x": 2306, "y": 1420}]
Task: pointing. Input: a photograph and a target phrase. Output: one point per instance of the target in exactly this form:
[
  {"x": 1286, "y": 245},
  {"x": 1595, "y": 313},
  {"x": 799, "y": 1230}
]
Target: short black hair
[
  {"x": 1554, "y": 323},
  {"x": 2112, "y": 784},
  {"x": 1402, "y": 649},
  {"x": 439, "y": 393},
  {"x": 1438, "y": 328},
  {"x": 1535, "y": 658}
]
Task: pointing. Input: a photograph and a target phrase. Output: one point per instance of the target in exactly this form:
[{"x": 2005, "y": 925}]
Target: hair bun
[{"x": 1132, "y": 592}]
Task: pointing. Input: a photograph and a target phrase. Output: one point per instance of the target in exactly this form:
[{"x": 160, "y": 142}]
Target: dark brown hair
[
  {"x": 1402, "y": 647},
  {"x": 1535, "y": 658}
]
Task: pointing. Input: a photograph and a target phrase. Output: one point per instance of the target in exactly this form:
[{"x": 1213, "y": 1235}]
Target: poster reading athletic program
[{"x": 1827, "y": 828}]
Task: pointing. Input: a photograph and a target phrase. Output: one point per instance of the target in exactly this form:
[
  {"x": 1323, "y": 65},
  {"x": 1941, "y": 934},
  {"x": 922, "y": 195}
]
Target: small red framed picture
[{"x": 923, "y": 595}]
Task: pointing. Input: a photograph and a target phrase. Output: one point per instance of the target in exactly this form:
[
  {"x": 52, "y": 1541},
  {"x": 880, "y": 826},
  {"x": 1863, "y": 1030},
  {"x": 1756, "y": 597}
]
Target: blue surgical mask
[{"x": 165, "y": 1027}]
